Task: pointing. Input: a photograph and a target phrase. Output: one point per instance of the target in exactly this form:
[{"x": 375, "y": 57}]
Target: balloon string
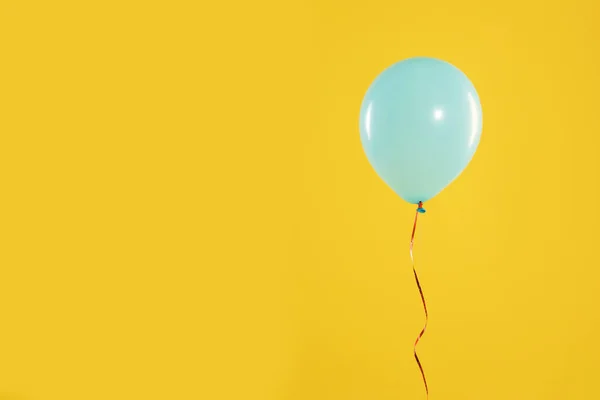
[{"x": 420, "y": 210}]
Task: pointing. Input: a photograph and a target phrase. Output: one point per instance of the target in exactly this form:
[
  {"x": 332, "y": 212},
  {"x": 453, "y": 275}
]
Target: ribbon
[{"x": 420, "y": 210}]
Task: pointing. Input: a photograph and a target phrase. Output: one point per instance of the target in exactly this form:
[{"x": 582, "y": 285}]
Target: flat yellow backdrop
[{"x": 186, "y": 211}]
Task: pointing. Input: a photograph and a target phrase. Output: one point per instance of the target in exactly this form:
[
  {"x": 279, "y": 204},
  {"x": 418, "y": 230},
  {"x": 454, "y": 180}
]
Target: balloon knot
[{"x": 420, "y": 209}]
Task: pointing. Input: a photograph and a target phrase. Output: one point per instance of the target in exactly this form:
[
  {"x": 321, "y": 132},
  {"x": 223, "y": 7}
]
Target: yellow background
[{"x": 186, "y": 211}]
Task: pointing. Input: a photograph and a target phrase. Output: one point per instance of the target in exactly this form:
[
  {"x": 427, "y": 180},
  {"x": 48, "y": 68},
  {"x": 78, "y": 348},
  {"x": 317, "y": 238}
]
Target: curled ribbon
[{"x": 420, "y": 210}]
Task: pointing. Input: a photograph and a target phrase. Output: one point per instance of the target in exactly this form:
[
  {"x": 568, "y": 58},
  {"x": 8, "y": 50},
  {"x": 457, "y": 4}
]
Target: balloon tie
[{"x": 420, "y": 210}]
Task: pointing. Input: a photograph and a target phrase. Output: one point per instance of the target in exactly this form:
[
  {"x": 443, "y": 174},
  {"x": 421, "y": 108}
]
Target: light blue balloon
[{"x": 420, "y": 124}]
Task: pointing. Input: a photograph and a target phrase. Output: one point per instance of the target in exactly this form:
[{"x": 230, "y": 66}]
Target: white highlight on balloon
[
  {"x": 474, "y": 118},
  {"x": 368, "y": 120},
  {"x": 438, "y": 114}
]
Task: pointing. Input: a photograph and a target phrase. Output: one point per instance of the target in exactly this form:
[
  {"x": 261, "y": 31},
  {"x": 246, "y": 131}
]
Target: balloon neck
[{"x": 420, "y": 208}]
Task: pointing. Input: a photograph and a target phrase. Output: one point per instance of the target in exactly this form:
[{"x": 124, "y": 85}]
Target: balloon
[{"x": 420, "y": 124}]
